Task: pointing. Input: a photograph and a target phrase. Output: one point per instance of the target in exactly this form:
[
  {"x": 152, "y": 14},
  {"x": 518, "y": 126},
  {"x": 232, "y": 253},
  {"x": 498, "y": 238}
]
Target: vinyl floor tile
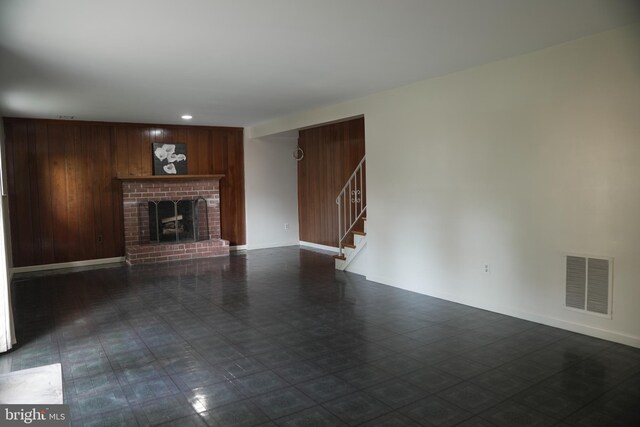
[
  {"x": 279, "y": 337},
  {"x": 357, "y": 407}
]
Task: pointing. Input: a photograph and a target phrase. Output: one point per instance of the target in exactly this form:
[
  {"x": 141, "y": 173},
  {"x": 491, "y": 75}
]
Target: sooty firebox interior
[{"x": 178, "y": 221}]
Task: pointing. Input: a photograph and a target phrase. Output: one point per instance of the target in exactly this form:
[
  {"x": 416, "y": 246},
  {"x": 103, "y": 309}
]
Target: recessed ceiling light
[{"x": 187, "y": 117}]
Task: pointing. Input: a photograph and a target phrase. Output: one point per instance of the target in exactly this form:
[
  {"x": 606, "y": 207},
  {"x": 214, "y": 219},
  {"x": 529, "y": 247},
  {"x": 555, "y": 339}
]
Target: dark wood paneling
[
  {"x": 23, "y": 244},
  {"x": 57, "y": 135},
  {"x": 331, "y": 153},
  {"x": 44, "y": 173},
  {"x": 65, "y": 202},
  {"x": 232, "y": 207}
]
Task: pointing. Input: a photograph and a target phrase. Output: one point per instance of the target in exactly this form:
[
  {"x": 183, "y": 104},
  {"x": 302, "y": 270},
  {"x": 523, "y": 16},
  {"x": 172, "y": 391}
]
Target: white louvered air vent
[{"x": 588, "y": 284}]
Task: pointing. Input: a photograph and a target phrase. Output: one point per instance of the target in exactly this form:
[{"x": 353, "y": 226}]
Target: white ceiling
[{"x": 239, "y": 62}]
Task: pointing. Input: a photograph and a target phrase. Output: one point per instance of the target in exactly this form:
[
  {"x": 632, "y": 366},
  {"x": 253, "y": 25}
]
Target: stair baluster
[{"x": 351, "y": 203}]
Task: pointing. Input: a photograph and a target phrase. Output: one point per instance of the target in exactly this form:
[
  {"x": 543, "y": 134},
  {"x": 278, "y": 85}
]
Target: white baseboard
[
  {"x": 238, "y": 248},
  {"x": 604, "y": 334},
  {"x": 270, "y": 245},
  {"x": 317, "y": 246},
  {"x": 31, "y": 268}
]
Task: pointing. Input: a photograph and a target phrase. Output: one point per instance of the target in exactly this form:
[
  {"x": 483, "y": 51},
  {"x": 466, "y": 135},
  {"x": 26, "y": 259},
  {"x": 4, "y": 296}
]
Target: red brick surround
[{"x": 136, "y": 194}]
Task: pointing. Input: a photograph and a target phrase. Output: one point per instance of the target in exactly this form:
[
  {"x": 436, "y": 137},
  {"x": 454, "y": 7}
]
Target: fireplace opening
[{"x": 178, "y": 221}]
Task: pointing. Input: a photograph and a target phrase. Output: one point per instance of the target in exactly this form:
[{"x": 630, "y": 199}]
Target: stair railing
[{"x": 352, "y": 203}]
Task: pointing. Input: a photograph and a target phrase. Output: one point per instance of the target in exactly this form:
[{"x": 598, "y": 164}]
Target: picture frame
[{"x": 169, "y": 158}]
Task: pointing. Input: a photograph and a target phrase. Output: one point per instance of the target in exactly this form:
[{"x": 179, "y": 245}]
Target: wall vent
[{"x": 589, "y": 284}]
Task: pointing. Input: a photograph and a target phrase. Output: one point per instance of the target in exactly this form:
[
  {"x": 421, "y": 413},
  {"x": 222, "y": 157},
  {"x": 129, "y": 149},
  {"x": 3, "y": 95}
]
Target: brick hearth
[{"x": 137, "y": 192}]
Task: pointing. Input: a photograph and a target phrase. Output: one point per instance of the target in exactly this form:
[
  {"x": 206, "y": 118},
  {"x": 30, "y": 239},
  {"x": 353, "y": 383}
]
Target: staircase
[
  {"x": 352, "y": 208},
  {"x": 349, "y": 251}
]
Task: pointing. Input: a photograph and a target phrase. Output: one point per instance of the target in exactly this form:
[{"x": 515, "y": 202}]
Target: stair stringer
[{"x": 351, "y": 254}]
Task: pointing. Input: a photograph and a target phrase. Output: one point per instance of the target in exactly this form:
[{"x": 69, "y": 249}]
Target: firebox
[{"x": 178, "y": 221}]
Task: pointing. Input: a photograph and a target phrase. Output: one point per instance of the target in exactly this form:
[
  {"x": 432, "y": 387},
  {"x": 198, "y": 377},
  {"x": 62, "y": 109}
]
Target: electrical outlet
[
  {"x": 286, "y": 226},
  {"x": 486, "y": 268},
  {"x": 99, "y": 239}
]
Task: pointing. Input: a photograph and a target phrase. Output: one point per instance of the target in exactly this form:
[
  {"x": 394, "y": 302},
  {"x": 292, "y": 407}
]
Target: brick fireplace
[{"x": 137, "y": 192}]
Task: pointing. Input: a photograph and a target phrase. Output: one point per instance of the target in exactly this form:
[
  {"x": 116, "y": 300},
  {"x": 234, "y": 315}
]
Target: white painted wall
[
  {"x": 271, "y": 188},
  {"x": 512, "y": 164},
  {"x": 7, "y": 333}
]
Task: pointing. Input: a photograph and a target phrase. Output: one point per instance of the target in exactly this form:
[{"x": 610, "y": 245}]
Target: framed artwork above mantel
[{"x": 169, "y": 158}]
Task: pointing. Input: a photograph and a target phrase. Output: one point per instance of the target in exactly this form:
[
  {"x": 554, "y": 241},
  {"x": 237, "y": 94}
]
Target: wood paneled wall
[
  {"x": 331, "y": 153},
  {"x": 64, "y": 197}
]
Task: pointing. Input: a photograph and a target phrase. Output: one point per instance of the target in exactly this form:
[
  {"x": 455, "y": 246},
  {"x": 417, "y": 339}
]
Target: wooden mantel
[{"x": 170, "y": 178}]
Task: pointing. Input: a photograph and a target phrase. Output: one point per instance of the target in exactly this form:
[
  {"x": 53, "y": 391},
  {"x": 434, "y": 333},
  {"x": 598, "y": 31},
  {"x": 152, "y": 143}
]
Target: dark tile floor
[{"x": 278, "y": 337}]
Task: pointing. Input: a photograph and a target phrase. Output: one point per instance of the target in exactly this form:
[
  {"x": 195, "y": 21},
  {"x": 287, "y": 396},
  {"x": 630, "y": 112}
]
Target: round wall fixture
[{"x": 298, "y": 154}]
